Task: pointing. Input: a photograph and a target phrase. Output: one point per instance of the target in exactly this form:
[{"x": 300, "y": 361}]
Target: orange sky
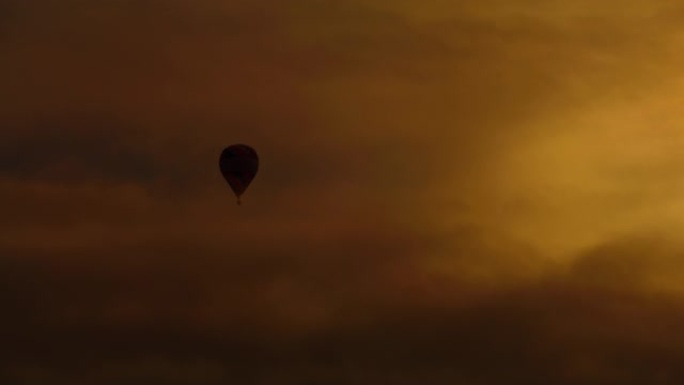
[{"x": 450, "y": 192}]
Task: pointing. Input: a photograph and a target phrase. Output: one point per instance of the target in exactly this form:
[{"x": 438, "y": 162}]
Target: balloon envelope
[{"x": 239, "y": 164}]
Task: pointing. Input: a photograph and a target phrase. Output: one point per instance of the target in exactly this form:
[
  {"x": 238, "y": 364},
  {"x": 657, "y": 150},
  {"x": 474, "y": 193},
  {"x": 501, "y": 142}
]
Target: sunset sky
[{"x": 450, "y": 192}]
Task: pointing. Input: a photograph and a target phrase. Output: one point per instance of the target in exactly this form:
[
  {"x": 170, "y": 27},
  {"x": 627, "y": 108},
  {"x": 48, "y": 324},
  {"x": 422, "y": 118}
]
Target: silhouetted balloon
[{"x": 239, "y": 164}]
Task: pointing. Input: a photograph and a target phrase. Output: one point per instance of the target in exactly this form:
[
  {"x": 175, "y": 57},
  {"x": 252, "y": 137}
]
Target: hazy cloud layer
[
  {"x": 160, "y": 317},
  {"x": 450, "y": 192}
]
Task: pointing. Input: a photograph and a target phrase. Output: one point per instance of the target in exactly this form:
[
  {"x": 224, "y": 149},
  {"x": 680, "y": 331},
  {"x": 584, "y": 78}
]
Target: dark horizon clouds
[
  {"x": 450, "y": 192},
  {"x": 164, "y": 326}
]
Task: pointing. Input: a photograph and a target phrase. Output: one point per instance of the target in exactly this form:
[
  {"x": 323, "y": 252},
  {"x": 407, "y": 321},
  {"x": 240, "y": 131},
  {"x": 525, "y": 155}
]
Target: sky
[{"x": 450, "y": 192}]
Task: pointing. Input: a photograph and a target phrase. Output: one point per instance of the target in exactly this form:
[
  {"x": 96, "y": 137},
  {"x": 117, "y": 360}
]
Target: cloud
[
  {"x": 645, "y": 263},
  {"x": 443, "y": 193},
  {"x": 74, "y": 149},
  {"x": 310, "y": 84},
  {"x": 154, "y": 321}
]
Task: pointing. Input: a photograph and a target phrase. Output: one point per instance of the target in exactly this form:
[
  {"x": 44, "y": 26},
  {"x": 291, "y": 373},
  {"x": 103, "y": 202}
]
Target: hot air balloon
[{"x": 239, "y": 164}]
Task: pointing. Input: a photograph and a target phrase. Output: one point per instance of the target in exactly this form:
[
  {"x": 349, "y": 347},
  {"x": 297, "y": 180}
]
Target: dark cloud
[
  {"x": 645, "y": 263},
  {"x": 146, "y": 322},
  {"x": 75, "y": 149}
]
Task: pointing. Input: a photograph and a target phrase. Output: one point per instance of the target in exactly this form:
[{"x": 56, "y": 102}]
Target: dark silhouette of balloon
[{"x": 239, "y": 164}]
